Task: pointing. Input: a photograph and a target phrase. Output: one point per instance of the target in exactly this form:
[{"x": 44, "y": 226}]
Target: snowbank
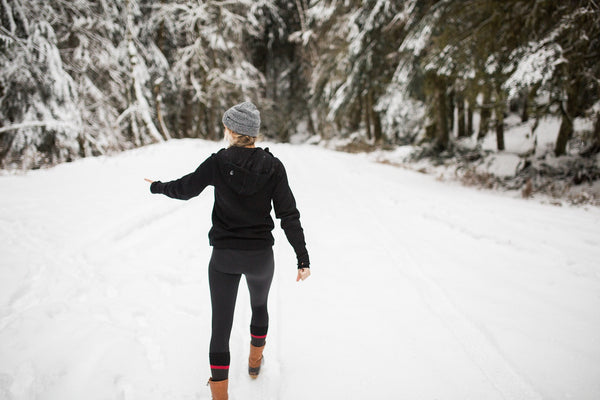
[{"x": 528, "y": 156}]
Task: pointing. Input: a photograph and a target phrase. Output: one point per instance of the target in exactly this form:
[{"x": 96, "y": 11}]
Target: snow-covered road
[{"x": 420, "y": 289}]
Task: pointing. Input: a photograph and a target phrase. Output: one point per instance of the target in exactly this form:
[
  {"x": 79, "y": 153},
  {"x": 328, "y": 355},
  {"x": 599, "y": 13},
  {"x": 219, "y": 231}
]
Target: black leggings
[{"x": 224, "y": 272}]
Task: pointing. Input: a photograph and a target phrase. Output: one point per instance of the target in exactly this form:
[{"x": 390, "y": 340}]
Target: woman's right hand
[
  {"x": 148, "y": 180},
  {"x": 303, "y": 273}
]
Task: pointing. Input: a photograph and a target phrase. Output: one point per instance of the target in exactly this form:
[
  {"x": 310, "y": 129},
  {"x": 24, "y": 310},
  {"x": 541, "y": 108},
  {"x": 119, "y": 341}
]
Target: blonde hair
[{"x": 236, "y": 140}]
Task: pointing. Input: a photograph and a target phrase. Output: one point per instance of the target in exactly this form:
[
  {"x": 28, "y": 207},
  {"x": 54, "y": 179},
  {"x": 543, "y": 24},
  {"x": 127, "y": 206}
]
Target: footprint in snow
[
  {"x": 124, "y": 389},
  {"x": 152, "y": 349}
]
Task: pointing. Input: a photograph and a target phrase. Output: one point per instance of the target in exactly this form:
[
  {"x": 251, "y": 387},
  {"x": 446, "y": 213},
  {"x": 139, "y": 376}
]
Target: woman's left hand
[{"x": 303, "y": 273}]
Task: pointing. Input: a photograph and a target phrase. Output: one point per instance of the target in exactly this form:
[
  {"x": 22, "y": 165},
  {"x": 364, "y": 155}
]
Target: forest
[{"x": 84, "y": 78}]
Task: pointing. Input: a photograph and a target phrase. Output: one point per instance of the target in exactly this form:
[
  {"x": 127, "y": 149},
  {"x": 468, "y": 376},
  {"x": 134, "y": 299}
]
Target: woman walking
[{"x": 247, "y": 180}]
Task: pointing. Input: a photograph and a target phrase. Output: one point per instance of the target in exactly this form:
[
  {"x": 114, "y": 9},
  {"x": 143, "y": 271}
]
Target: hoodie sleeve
[
  {"x": 190, "y": 185},
  {"x": 284, "y": 205}
]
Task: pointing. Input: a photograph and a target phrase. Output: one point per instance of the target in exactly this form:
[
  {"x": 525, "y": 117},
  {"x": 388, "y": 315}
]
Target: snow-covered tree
[
  {"x": 85, "y": 77},
  {"x": 561, "y": 57},
  {"x": 355, "y": 42},
  {"x": 71, "y": 82},
  {"x": 496, "y": 51},
  {"x": 277, "y": 50},
  {"x": 210, "y": 67},
  {"x": 39, "y": 120}
]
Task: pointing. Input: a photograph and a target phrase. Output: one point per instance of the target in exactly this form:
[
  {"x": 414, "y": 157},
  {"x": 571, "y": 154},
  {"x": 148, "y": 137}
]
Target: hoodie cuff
[
  {"x": 303, "y": 261},
  {"x": 156, "y": 187}
]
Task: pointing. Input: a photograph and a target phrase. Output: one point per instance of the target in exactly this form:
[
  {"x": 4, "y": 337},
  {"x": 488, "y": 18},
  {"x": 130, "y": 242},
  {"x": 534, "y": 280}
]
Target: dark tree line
[
  {"x": 84, "y": 77},
  {"x": 420, "y": 63}
]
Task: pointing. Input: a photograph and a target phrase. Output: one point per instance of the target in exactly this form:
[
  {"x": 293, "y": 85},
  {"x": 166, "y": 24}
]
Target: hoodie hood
[{"x": 246, "y": 170}]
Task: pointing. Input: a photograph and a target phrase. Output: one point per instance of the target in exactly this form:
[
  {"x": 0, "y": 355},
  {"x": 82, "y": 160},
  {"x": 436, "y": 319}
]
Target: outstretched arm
[{"x": 188, "y": 186}]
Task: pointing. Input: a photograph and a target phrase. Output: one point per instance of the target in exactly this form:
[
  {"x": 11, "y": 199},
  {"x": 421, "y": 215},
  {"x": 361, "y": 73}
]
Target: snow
[
  {"x": 501, "y": 165},
  {"x": 401, "y": 115},
  {"x": 419, "y": 290},
  {"x": 536, "y": 65},
  {"x": 519, "y": 139},
  {"x": 320, "y": 10},
  {"x": 417, "y": 41}
]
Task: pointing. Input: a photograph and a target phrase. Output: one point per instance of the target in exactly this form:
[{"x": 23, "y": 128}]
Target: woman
[{"x": 247, "y": 179}]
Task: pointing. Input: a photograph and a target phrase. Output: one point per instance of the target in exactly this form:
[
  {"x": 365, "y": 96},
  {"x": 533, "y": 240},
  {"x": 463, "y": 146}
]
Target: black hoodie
[{"x": 246, "y": 180}]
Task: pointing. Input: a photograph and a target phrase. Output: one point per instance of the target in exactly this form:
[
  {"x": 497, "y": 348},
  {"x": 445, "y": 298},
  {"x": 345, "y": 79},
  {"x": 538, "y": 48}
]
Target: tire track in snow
[
  {"x": 484, "y": 354},
  {"x": 134, "y": 224},
  {"x": 144, "y": 336},
  {"x": 462, "y": 230},
  {"x": 24, "y": 298}
]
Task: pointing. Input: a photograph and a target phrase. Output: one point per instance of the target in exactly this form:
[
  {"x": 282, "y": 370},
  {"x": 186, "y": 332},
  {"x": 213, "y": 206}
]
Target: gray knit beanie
[{"x": 243, "y": 118}]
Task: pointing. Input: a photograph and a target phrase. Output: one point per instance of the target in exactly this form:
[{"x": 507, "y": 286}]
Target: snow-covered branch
[{"x": 51, "y": 124}]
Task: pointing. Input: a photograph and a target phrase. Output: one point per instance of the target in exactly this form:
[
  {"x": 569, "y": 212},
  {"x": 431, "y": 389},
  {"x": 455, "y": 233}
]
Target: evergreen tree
[
  {"x": 353, "y": 71},
  {"x": 276, "y": 51},
  {"x": 82, "y": 77},
  {"x": 82, "y": 62},
  {"x": 39, "y": 121},
  {"x": 211, "y": 68}
]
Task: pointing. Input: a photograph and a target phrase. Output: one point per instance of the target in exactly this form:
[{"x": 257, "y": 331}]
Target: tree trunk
[
  {"x": 564, "y": 134},
  {"x": 525, "y": 113},
  {"x": 469, "y": 131},
  {"x": 142, "y": 108},
  {"x": 500, "y": 100},
  {"x": 594, "y": 147},
  {"x": 204, "y": 117},
  {"x": 311, "y": 123},
  {"x": 186, "y": 112},
  {"x": 451, "y": 105},
  {"x": 484, "y": 122},
  {"x": 376, "y": 121},
  {"x": 377, "y": 127},
  {"x": 199, "y": 121},
  {"x": 162, "y": 127},
  {"x": 211, "y": 132},
  {"x": 368, "y": 117},
  {"x": 356, "y": 116},
  {"x": 566, "y": 125},
  {"x": 597, "y": 131},
  {"x": 441, "y": 136},
  {"x": 460, "y": 104},
  {"x": 500, "y": 130}
]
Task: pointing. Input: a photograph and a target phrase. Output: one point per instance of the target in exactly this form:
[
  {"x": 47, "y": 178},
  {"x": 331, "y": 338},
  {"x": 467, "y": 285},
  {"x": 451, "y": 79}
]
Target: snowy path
[{"x": 420, "y": 289}]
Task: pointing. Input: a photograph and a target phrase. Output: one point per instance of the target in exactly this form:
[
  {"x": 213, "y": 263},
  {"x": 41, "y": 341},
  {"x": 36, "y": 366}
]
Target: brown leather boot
[
  {"x": 219, "y": 389},
  {"x": 255, "y": 360}
]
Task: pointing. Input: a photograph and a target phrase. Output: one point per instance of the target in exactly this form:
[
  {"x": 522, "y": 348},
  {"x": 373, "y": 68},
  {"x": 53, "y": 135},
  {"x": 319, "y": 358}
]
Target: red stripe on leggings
[
  {"x": 219, "y": 367},
  {"x": 258, "y": 337}
]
